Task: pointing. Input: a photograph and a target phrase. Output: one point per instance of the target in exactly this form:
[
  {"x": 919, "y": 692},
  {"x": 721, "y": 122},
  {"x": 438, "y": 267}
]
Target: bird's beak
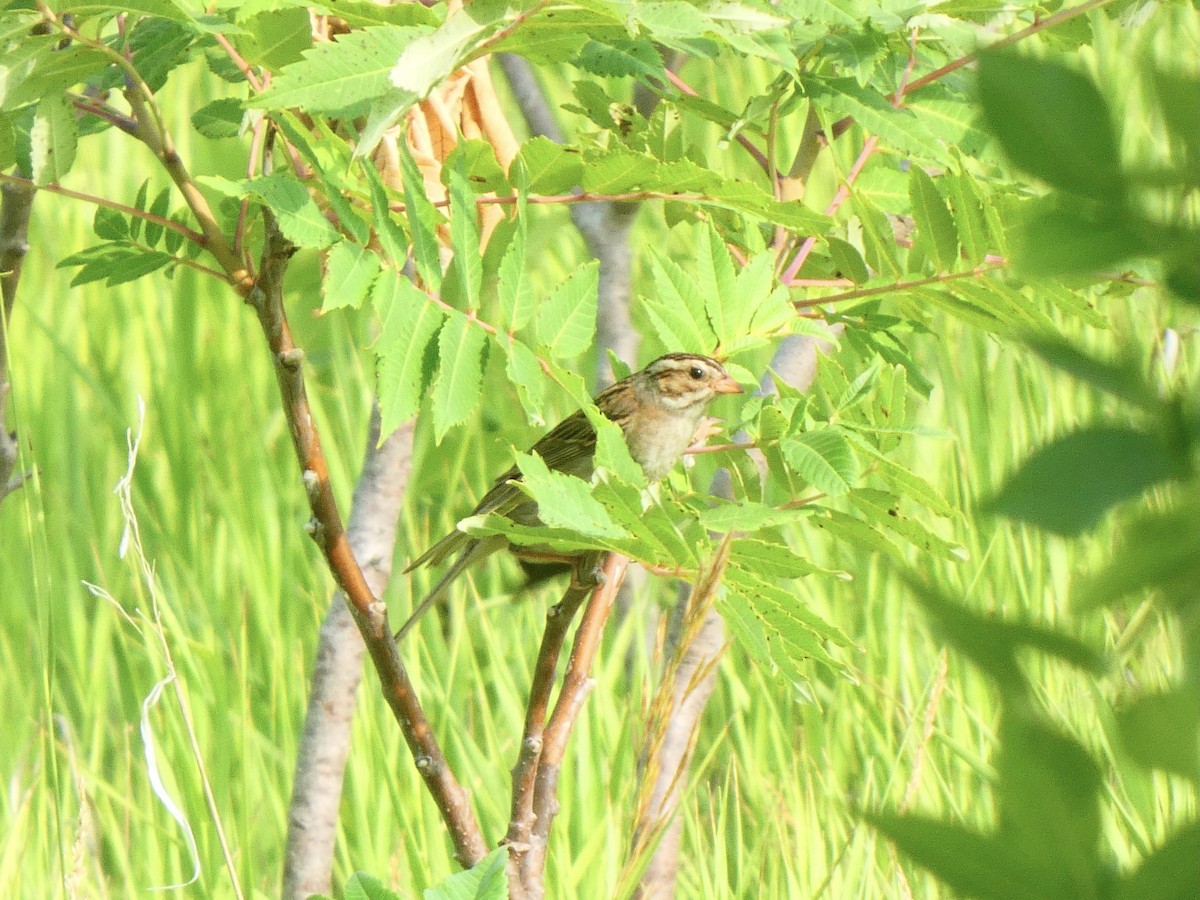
[{"x": 727, "y": 386}]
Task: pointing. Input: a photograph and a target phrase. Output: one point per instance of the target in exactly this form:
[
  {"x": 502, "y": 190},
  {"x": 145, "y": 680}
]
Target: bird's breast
[{"x": 657, "y": 444}]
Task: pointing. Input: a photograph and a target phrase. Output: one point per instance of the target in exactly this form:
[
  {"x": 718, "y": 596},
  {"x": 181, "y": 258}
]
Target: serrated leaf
[
  {"x": 855, "y": 531},
  {"x": 566, "y": 321},
  {"x": 551, "y": 168},
  {"x": 676, "y": 309},
  {"x": 747, "y": 516},
  {"x": 714, "y": 270},
  {"x": 878, "y": 240},
  {"x": 456, "y": 391},
  {"x": 300, "y": 219},
  {"x": 514, "y": 286},
  {"x": 391, "y": 236},
  {"x": 53, "y": 139},
  {"x": 422, "y": 221},
  {"x": 897, "y": 128},
  {"x": 483, "y": 881},
  {"x": 526, "y": 375},
  {"x": 789, "y": 625},
  {"x": 464, "y": 235},
  {"x": 967, "y": 206},
  {"x": 349, "y": 270},
  {"x": 934, "y": 223},
  {"x": 362, "y": 886},
  {"x": 347, "y": 73},
  {"x": 275, "y": 38},
  {"x": 565, "y": 501},
  {"x": 161, "y": 207},
  {"x": 430, "y": 58},
  {"x": 110, "y": 225},
  {"x": 771, "y": 560},
  {"x": 883, "y": 508},
  {"x": 220, "y": 118},
  {"x": 410, "y": 321},
  {"x": 824, "y": 459}
]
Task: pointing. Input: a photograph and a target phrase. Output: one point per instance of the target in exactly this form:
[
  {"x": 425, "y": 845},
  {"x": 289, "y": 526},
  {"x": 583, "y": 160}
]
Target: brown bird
[{"x": 659, "y": 410}]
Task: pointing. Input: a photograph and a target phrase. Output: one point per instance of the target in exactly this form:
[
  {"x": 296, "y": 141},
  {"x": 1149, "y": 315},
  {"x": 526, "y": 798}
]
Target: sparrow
[{"x": 659, "y": 410}]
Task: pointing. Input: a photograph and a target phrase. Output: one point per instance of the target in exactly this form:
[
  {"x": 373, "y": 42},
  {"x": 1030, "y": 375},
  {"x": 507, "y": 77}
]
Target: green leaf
[
  {"x": 566, "y": 321},
  {"x": 714, "y": 270},
  {"x": 1072, "y": 241},
  {"x": 676, "y": 308},
  {"x": 878, "y": 240},
  {"x": 1052, "y": 122},
  {"x": 410, "y": 321},
  {"x": 971, "y": 864},
  {"x": 1158, "y": 551},
  {"x": 1162, "y": 731},
  {"x": 824, "y": 459},
  {"x": 526, "y": 375},
  {"x": 897, "y": 128},
  {"x": 967, "y": 205},
  {"x": 552, "y": 168},
  {"x": 565, "y": 501},
  {"x": 772, "y": 560},
  {"x": 747, "y": 516},
  {"x": 1048, "y": 793},
  {"x": 53, "y": 139},
  {"x": 430, "y": 58},
  {"x": 422, "y": 221},
  {"x": 300, "y": 219},
  {"x": 391, "y": 236},
  {"x": 219, "y": 119},
  {"x": 275, "y": 38},
  {"x": 847, "y": 261},
  {"x": 161, "y": 207},
  {"x": 347, "y": 73},
  {"x": 801, "y": 633},
  {"x": 464, "y": 235},
  {"x": 461, "y": 346},
  {"x": 483, "y": 881},
  {"x": 514, "y": 285},
  {"x": 843, "y": 527},
  {"x": 882, "y": 508},
  {"x": 934, "y": 223},
  {"x": 110, "y": 225},
  {"x": 349, "y": 270},
  {"x": 1168, "y": 873},
  {"x": 362, "y": 886},
  {"x": 1069, "y": 484}
]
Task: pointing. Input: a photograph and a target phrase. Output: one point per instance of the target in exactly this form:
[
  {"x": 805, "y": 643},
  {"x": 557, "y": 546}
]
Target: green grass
[{"x": 241, "y": 591}]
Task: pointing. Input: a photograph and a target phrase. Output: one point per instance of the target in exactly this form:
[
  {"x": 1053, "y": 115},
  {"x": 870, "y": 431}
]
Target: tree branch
[
  {"x": 325, "y": 744},
  {"x": 576, "y": 684},
  {"x": 369, "y": 613},
  {"x": 16, "y": 203},
  {"x": 524, "y": 773}
]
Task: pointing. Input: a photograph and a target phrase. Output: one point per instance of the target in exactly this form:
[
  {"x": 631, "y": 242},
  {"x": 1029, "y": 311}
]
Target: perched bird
[{"x": 659, "y": 410}]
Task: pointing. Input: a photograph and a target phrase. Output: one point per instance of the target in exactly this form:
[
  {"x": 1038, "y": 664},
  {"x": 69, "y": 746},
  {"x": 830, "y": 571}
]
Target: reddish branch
[
  {"x": 531, "y": 860},
  {"x": 326, "y": 528}
]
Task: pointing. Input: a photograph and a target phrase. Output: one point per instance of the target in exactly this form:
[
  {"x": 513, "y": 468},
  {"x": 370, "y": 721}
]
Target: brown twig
[
  {"x": 193, "y": 236},
  {"x": 862, "y": 293},
  {"x": 337, "y": 670},
  {"x": 15, "y": 206},
  {"x": 576, "y": 684},
  {"x": 524, "y": 773},
  {"x": 370, "y": 614}
]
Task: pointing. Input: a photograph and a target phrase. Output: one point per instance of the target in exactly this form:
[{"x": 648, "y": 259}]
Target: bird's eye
[{"x": 696, "y": 372}]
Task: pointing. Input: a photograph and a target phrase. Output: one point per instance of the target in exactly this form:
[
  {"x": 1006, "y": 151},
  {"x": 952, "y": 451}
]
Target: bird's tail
[{"x": 475, "y": 550}]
